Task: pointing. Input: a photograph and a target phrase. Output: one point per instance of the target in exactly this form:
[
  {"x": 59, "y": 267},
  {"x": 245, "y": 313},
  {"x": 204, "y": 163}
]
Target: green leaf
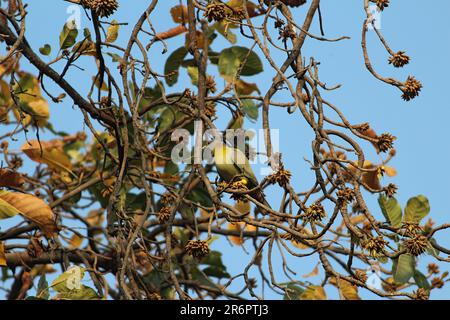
[
  {"x": 214, "y": 258},
  {"x": 416, "y": 209},
  {"x": 69, "y": 287},
  {"x": 171, "y": 168},
  {"x": 193, "y": 74},
  {"x": 168, "y": 118},
  {"x": 201, "y": 278},
  {"x": 42, "y": 288},
  {"x": 45, "y": 50},
  {"x": 173, "y": 65},
  {"x": 168, "y": 293},
  {"x": 156, "y": 278},
  {"x": 135, "y": 201},
  {"x": 216, "y": 272},
  {"x": 391, "y": 210},
  {"x": 432, "y": 250},
  {"x": 230, "y": 61},
  {"x": 421, "y": 280},
  {"x": 295, "y": 295},
  {"x": 84, "y": 293},
  {"x": 200, "y": 195},
  {"x": 87, "y": 34},
  {"x": 181, "y": 235},
  {"x": 7, "y": 210},
  {"x": 250, "y": 109},
  {"x": 313, "y": 292},
  {"x": 115, "y": 57},
  {"x": 26, "y": 82},
  {"x": 404, "y": 268},
  {"x": 67, "y": 281},
  {"x": 227, "y": 34},
  {"x": 113, "y": 32},
  {"x": 68, "y": 35}
]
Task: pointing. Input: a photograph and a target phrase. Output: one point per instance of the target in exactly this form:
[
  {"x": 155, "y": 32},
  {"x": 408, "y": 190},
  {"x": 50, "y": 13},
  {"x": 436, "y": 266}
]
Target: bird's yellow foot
[{"x": 240, "y": 184}]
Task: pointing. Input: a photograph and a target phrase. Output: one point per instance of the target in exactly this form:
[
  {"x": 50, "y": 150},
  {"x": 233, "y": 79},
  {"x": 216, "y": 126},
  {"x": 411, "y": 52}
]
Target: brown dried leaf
[
  {"x": 9, "y": 178},
  {"x": 314, "y": 293},
  {"x": 50, "y": 153},
  {"x": 2, "y": 255},
  {"x": 236, "y": 226},
  {"x": 243, "y": 206},
  {"x": 75, "y": 241},
  {"x": 179, "y": 14},
  {"x": 33, "y": 209},
  {"x": 245, "y": 88},
  {"x": 348, "y": 290},
  {"x": 370, "y": 178},
  {"x": 42, "y": 269},
  {"x": 390, "y": 172}
]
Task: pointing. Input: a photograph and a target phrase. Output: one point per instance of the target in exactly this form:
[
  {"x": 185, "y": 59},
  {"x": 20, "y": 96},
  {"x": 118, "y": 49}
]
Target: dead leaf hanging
[
  {"x": 50, "y": 153},
  {"x": 32, "y": 208}
]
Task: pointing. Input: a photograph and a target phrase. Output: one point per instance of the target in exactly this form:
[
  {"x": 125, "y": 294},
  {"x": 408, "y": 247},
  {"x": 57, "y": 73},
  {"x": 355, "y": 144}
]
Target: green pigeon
[{"x": 232, "y": 165}]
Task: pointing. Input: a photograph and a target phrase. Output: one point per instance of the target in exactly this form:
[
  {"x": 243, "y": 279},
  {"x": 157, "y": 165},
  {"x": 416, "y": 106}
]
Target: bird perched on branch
[{"x": 234, "y": 167}]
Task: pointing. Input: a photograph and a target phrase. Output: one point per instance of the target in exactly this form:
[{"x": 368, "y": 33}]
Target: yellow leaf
[
  {"x": 314, "y": 293},
  {"x": 354, "y": 221},
  {"x": 300, "y": 245},
  {"x": 95, "y": 218},
  {"x": 245, "y": 88},
  {"x": 50, "y": 153},
  {"x": 85, "y": 48},
  {"x": 391, "y": 172},
  {"x": 42, "y": 269},
  {"x": 35, "y": 111},
  {"x": 205, "y": 214},
  {"x": 33, "y": 209},
  {"x": 113, "y": 32},
  {"x": 8, "y": 66},
  {"x": 5, "y": 93},
  {"x": 235, "y": 3},
  {"x": 370, "y": 178},
  {"x": 236, "y": 122},
  {"x": 235, "y": 226},
  {"x": 39, "y": 108},
  {"x": 251, "y": 7},
  {"x": 2, "y": 255},
  {"x": 96, "y": 81},
  {"x": 240, "y": 227},
  {"x": 75, "y": 241},
  {"x": 7, "y": 210},
  {"x": 243, "y": 206},
  {"x": 348, "y": 290}
]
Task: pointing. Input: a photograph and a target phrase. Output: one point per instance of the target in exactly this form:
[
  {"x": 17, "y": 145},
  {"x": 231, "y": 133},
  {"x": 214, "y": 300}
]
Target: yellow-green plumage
[{"x": 233, "y": 165}]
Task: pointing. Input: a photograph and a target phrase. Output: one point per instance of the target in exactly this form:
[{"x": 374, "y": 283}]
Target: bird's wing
[{"x": 242, "y": 164}]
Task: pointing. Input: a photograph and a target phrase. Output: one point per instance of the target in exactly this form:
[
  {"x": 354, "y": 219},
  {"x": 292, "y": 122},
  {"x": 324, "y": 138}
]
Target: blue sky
[{"x": 422, "y": 30}]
